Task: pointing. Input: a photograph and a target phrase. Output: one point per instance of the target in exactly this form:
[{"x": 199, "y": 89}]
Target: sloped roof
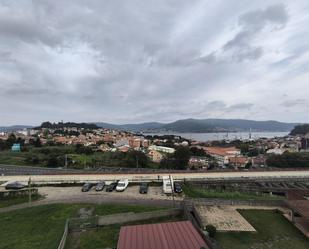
[
  {"x": 171, "y": 235},
  {"x": 221, "y": 151}
]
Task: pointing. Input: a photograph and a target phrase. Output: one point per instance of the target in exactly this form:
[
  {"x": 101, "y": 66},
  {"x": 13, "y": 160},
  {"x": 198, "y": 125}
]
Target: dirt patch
[{"x": 224, "y": 218}]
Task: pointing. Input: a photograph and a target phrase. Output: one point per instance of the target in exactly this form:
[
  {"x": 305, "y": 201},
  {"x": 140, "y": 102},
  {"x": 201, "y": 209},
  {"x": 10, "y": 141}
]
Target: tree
[
  {"x": 182, "y": 156},
  {"x": 136, "y": 159},
  {"x": 81, "y": 149},
  {"x": 211, "y": 230},
  {"x": 37, "y": 142},
  {"x": 168, "y": 163},
  {"x": 300, "y": 130},
  {"x": 195, "y": 151},
  {"x": 52, "y": 161},
  {"x": 32, "y": 159},
  {"x": 289, "y": 160},
  {"x": 11, "y": 140},
  {"x": 248, "y": 165}
]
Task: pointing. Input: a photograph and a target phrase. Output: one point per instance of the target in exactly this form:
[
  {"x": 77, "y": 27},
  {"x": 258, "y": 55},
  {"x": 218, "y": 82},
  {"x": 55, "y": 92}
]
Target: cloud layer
[{"x": 134, "y": 61}]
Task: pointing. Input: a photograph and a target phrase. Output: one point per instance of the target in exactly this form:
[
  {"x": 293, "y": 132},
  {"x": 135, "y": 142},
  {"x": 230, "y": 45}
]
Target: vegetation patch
[
  {"x": 42, "y": 227},
  {"x": 273, "y": 232}
]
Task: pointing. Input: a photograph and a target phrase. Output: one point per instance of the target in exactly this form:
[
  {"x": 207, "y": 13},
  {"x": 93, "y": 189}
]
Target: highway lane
[{"x": 135, "y": 177}]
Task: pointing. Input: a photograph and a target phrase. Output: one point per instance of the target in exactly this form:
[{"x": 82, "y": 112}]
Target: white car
[{"x": 122, "y": 185}]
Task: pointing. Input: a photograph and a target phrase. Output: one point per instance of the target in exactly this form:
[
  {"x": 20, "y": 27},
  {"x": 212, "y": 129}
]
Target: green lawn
[
  {"x": 273, "y": 232},
  {"x": 41, "y": 227},
  {"x": 203, "y": 193},
  {"x": 18, "y": 200},
  {"x": 105, "y": 237}
]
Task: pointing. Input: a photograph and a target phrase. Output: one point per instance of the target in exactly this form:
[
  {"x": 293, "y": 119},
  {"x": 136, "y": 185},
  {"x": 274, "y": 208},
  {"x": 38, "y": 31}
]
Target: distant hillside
[
  {"x": 14, "y": 128},
  {"x": 204, "y": 125},
  {"x": 300, "y": 130},
  {"x": 221, "y": 125},
  {"x": 132, "y": 127},
  {"x": 50, "y": 125}
]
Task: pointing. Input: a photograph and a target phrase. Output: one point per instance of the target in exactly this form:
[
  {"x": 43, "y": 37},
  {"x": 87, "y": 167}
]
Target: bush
[{"x": 212, "y": 230}]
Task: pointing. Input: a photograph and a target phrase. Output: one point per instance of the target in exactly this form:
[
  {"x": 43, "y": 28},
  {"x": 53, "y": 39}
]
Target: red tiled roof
[
  {"x": 221, "y": 151},
  {"x": 172, "y": 235}
]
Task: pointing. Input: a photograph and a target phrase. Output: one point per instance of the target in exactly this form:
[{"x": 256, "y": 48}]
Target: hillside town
[{"x": 237, "y": 154}]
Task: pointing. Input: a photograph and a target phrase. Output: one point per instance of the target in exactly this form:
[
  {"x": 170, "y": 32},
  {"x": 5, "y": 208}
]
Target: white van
[
  {"x": 122, "y": 185},
  {"x": 167, "y": 184}
]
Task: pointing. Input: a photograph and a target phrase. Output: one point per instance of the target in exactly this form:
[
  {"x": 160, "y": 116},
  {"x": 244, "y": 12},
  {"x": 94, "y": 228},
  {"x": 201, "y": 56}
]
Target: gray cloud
[
  {"x": 158, "y": 60},
  {"x": 251, "y": 24}
]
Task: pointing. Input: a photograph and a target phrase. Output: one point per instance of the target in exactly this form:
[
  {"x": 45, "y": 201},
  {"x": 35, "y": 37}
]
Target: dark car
[
  {"x": 15, "y": 185},
  {"x": 87, "y": 186},
  {"x": 99, "y": 186},
  {"x": 111, "y": 187},
  {"x": 177, "y": 187},
  {"x": 143, "y": 188}
]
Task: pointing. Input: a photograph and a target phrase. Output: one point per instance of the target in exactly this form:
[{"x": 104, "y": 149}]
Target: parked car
[
  {"x": 15, "y": 185},
  {"x": 122, "y": 185},
  {"x": 99, "y": 186},
  {"x": 87, "y": 186},
  {"x": 143, "y": 188},
  {"x": 177, "y": 187},
  {"x": 111, "y": 187}
]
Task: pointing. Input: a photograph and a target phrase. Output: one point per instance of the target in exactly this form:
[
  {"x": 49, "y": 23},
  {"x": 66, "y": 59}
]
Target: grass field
[
  {"x": 105, "y": 237},
  {"x": 203, "y": 193},
  {"x": 42, "y": 227},
  {"x": 273, "y": 232}
]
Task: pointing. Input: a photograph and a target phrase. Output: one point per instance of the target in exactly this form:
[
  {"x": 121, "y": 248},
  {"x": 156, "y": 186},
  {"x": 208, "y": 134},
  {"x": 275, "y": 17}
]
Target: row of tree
[{"x": 289, "y": 160}]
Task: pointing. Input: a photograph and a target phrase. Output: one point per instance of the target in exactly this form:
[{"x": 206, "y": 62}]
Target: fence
[
  {"x": 64, "y": 236},
  {"x": 76, "y": 224},
  {"x": 223, "y": 202},
  {"x": 20, "y": 192}
]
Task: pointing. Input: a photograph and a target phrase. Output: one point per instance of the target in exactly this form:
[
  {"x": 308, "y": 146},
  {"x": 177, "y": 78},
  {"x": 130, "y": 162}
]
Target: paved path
[{"x": 74, "y": 195}]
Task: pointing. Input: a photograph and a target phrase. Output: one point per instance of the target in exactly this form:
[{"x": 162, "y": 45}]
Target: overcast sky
[{"x": 156, "y": 60}]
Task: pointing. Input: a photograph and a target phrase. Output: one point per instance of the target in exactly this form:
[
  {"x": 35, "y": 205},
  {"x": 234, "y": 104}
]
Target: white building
[{"x": 162, "y": 149}]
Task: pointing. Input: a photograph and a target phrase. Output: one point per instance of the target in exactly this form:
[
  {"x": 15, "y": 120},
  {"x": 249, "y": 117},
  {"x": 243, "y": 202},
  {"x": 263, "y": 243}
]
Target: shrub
[{"x": 211, "y": 230}]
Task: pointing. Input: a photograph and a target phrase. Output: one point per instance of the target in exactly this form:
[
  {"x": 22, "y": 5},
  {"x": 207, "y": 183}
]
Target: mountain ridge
[{"x": 191, "y": 125}]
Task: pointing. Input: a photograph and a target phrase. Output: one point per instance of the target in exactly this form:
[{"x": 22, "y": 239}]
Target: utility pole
[
  {"x": 136, "y": 158},
  {"x": 66, "y": 161},
  {"x": 29, "y": 189},
  {"x": 172, "y": 190}
]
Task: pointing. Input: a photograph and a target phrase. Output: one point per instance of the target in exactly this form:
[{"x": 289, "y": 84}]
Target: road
[
  {"x": 138, "y": 177},
  {"x": 130, "y": 196}
]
